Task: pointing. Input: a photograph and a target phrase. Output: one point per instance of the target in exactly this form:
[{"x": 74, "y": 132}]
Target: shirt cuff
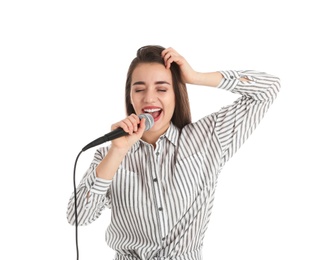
[
  {"x": 97, "y": 185},
  {"x": 230, "y": 79}
]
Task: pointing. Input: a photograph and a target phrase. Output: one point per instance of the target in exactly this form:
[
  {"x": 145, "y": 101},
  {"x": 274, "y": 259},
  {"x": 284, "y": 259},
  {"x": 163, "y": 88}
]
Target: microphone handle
[{"x": 119, "y": 132}]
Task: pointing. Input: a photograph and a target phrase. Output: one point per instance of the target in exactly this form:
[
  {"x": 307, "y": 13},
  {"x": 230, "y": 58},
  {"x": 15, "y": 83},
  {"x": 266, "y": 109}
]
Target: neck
[{"x": 152, "y": 137}]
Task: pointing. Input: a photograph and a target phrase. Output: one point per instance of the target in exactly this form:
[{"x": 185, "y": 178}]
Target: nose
[{"x": 149, "y": 97}]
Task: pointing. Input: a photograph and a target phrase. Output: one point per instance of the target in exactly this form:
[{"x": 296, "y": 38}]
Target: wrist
[{"x": 119, "y": 151}]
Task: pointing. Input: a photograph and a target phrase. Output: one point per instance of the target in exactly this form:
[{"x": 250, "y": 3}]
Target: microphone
[{"x": 119, "y": 132}]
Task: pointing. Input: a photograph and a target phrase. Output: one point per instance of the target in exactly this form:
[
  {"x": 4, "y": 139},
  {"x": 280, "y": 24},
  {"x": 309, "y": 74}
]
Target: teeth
[{"x": 152, "y": 110}]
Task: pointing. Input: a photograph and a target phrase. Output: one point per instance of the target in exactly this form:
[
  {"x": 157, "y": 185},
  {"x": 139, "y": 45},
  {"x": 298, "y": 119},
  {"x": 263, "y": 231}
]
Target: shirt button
[
  {"x": 231, "y": 77},
  {"x": 100, "y": 204},
  {"x": 163, "y": 239},
  {"x": 157, "y": 153},
  {"x": 155, "y": 179},
  {"x": 160, "y": 209}
]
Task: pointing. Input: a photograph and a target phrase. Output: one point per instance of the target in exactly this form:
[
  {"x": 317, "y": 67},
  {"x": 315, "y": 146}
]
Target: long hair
[{"x": 152, "y": 54}]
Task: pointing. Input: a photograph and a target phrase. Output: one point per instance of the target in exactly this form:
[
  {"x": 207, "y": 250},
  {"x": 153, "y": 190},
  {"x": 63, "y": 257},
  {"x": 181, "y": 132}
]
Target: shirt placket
[{"x": 157, "y": 188}]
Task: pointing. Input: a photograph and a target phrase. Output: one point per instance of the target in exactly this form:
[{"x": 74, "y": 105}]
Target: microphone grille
[{"x": 149, "y": 120}]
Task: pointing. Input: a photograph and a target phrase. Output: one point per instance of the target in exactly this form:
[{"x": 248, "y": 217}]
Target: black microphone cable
[{"x": 75, "y": 203}]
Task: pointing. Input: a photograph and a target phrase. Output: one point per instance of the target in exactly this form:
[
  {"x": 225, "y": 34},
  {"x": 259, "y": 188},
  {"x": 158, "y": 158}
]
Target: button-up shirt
[{"x": 161, "y": 198}]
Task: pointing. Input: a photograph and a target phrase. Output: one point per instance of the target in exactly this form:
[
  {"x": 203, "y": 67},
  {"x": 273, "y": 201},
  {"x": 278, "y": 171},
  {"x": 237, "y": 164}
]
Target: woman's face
[{"x": 152, "y": 92}]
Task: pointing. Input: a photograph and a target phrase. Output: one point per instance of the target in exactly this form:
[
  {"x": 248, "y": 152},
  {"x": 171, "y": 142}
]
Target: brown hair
[{"x": 152, "y": 54}]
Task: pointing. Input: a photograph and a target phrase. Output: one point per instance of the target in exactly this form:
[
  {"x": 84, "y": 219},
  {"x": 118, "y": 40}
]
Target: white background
[{"x": 62, "y": 74}]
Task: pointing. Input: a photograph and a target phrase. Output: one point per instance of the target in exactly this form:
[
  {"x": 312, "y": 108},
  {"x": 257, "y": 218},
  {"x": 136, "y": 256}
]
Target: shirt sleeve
[
  {"x": 93, "y": 194},
  {"x": 234, "y": 123}
]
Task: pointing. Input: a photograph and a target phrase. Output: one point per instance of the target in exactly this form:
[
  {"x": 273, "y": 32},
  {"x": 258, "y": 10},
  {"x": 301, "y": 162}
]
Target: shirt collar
[{"x": 172, "y": 134}]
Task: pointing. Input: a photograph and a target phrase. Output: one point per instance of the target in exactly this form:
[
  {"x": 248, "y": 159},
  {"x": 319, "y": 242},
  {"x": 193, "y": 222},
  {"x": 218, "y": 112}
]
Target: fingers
[
  {"x": 142, "y": 127},
  {"x": 170, "y": 55},
  {"x": 130, "y": 124}
]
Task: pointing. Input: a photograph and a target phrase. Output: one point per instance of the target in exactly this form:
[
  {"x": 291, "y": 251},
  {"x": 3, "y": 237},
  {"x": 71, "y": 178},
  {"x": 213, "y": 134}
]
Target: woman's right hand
[
  {"x": 120, "y": 146},
  {"x": 132, "y": 125}
]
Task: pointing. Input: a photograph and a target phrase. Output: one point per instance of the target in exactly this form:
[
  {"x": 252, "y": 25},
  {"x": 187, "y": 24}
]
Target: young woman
[{"x": 160, "y": 183}]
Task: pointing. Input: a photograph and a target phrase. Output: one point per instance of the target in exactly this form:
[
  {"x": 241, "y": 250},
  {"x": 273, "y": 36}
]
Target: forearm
[
  {"x": 110, "y": 163},
  {"x": 211, "y": 79},
  {"x": 92, "y": 196}
]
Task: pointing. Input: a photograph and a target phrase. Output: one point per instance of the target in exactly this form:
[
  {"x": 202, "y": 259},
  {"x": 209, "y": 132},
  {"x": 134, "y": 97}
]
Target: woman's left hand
[{"x": 188, "y": 74}]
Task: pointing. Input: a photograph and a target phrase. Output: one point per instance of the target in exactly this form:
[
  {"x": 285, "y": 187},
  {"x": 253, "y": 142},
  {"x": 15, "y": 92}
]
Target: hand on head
[{"x": 170, "y": 55}]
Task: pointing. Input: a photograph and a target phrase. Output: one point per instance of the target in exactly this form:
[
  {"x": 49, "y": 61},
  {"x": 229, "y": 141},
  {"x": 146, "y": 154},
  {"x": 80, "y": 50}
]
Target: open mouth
[{"x": 155, "y": 112}]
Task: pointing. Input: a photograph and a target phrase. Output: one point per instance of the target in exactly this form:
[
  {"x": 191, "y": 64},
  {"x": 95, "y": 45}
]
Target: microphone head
[{"x": 149, "y": 120}]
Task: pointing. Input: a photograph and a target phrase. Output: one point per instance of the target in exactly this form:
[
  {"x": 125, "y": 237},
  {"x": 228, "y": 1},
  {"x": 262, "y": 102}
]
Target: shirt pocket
[
  {"x": 127, "y": 189},
  {"x": 187, "y": 180}
]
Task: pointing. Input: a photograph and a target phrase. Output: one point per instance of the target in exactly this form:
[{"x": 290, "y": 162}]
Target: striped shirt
[{"x": 161, "y": 198}]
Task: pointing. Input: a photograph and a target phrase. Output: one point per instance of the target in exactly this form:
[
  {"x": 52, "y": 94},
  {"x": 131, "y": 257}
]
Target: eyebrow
[{"x": 157, "y": 82}]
